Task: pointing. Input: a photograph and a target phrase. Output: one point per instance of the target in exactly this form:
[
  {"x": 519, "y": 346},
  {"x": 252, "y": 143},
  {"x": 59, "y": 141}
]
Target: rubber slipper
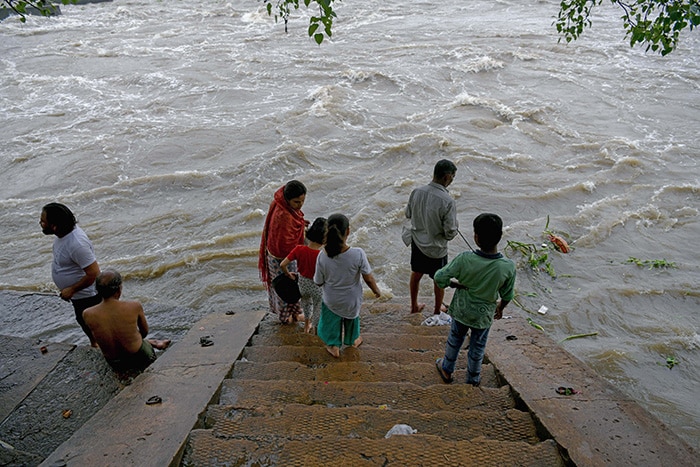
[
  {"x": 511, "y": 338},
  {"x": 567, "y": 391},
  {"x": 447, "y": 379},
  {"x": 154, "y": 400},
  {"x": 206, "y": 341}
]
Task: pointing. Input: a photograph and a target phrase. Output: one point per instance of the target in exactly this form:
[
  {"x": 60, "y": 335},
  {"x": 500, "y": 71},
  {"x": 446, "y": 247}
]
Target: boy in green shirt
[{"x": 482, "y": 276}]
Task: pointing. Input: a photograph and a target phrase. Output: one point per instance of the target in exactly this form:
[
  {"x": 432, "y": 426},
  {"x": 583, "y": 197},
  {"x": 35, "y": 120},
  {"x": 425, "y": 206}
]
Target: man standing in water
[
  {"x": 120, "y": 327},
  {"x": 74, "y": 267},
  {"x": 433, "y": 215}
]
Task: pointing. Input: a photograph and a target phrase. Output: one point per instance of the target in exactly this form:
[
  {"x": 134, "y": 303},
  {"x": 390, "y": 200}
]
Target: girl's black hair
[
  {"x": 317, "y": 231},
  {"x": 294, "y": 189},
  {"x": 335, "y": 238}
]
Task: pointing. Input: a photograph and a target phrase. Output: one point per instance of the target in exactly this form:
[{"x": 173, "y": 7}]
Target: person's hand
[
  {"x": 499, "y": 313},
  {"x": 291, "y": 275},
  {"x": 66, "y": 294}
]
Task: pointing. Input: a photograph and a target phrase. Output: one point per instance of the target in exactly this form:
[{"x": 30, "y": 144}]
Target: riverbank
[{"x": 596, "y": 426}]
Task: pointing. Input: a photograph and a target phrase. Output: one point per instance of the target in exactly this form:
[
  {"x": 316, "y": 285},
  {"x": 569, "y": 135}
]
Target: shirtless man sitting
[{"x": 120, "y": 327}]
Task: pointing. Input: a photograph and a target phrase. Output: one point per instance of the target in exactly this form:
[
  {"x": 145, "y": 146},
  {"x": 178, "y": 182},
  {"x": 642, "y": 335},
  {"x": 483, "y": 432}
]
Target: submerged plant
[
  {"x": 538, "y": 257},
  {"x": 534, "y": 325},
  {"x": 651, "y": 263},
  {"x": 671, "y": 362}
]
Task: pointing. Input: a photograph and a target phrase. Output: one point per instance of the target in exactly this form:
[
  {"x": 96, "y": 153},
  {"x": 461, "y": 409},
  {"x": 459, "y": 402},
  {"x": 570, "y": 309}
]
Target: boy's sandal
[
  {"x": 446, "y": 378},
  {"x": 567, "y": 391}
]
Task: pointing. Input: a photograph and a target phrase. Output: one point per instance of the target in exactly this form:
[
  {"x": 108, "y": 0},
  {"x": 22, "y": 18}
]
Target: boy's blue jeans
[{"x": 475, "y": 355}]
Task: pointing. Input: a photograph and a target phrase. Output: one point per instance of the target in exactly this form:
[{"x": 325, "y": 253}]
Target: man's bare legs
[
  {"x": 413, "y": 287},
  {"x": 413, "y": 284},
  {"x": 439, "y": 297}
]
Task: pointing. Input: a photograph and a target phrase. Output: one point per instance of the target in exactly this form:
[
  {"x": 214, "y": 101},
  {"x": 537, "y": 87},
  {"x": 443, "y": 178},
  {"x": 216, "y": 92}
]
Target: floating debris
[
  {"x": 559, "y": 243},
  {"x": 534, "y": 325},
  {"x": 576, "y": 336}
]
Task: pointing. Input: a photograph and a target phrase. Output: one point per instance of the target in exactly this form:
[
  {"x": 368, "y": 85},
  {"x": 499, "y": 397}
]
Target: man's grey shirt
[{"x": 433, "y": 215}]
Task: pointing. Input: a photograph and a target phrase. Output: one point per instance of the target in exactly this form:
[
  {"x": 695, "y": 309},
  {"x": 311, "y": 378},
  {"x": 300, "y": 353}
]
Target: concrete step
[
  {"x": 392, "y": 342},
  {"x": 298, "y": 421},
  {"x": 316, "y": 355},
  {"x": 378, "y": 325},
  {"x": 422, "y": 374},
  {"x": 205, "y": 449},
  {"x": 252, "y": 394}
]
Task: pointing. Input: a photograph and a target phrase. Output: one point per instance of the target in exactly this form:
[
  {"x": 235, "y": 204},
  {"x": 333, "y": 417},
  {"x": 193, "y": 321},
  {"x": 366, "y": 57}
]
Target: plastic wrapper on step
[
  {"x": 438, "y": 320},
  {"x": 400, "y": 430}
]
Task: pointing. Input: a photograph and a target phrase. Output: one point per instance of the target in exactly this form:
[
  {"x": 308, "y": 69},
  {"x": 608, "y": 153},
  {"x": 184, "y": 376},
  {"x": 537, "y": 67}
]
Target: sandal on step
[{"x": 446, "y": 377}]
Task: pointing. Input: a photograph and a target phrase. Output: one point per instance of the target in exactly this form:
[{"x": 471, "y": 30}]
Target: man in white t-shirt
[{"x": 74, "y": 267}]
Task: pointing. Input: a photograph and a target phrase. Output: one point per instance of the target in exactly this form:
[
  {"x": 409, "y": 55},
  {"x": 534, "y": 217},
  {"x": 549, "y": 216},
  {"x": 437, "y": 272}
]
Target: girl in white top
[{"x": 338, "y": 271}]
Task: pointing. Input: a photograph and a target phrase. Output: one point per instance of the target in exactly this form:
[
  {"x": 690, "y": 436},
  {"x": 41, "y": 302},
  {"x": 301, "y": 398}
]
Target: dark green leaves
[
  {"x": 654, "y": 23},
  {"x": 320, "y": 26},
  {"x": 20, "y": 7}
]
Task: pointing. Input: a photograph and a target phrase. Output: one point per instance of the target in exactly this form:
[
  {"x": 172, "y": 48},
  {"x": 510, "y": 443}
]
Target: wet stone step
[
  {"x": 306, "y": 422},
  {"x": 368, "y": 325},
  {"x": 392, "y": 341},
  {"x": 252, "y": 394},
  {"x": 314, "y": 355},
  {"x": 205, "y": 449},
  {"x": 422, "y": 374}
]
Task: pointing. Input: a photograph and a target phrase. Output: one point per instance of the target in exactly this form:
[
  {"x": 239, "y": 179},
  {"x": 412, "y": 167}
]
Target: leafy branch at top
[
  {"x": 20, "y": 7},
  {"x": 656, "y": 23},
  {"x": 320, "y": 26}
]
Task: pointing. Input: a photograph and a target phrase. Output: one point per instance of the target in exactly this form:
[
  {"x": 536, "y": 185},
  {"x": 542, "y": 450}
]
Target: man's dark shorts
[
  {"x": 138, "y": 361},
  {"x": 82, "y": 304},
  {"x": 423, "y": 264}
]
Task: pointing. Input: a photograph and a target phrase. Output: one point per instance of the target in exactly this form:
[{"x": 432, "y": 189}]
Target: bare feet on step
[
  {"x": 419, "y": 307},
  {"x": 358, "y": 342},
  {"x": 335, "y": 351},
  {"x": 159, "y": 344}
]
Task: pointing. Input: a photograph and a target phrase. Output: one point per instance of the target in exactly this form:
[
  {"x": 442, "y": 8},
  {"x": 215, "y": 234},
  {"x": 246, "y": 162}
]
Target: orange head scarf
[{"x": 284, "y": 229}]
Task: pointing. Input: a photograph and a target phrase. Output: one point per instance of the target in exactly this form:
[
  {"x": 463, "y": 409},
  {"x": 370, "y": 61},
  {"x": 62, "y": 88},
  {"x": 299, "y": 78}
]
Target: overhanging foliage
[
  {"x": 320, "y": 26},
  {"x": 23, "y": 7},
  {"x": 656, "y": 23}
]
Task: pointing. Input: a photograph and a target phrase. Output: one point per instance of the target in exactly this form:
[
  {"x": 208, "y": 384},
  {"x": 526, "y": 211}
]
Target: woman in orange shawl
[{"x": 284, "y": 229}]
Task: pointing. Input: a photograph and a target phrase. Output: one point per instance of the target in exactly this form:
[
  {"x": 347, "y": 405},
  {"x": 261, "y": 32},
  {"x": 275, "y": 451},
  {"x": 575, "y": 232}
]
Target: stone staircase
[{"x": 289, "y": 403}]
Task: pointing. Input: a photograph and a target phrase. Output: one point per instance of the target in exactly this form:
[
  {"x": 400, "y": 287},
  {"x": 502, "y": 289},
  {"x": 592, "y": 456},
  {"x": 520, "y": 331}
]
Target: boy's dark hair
[
  {"x": 489, "y": 228},
  {"x": 444, "y": 167},
  {"x": 294, "y": 189},
  {"x": 337, "y": 226},
  {"x": 108, "y": 283},
  {"x": 317, "y": 231},
  {"x": 59, "y": 215}
]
